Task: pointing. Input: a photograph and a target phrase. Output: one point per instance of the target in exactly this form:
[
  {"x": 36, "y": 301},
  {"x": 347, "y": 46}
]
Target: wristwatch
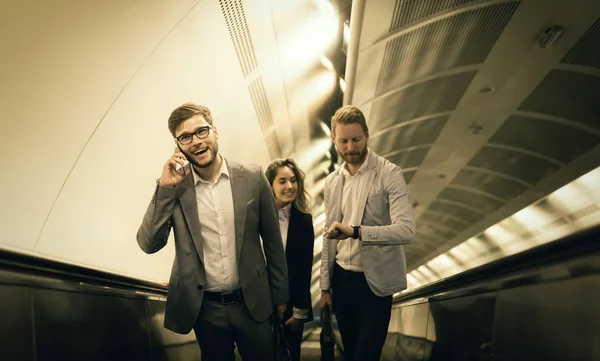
[{"x": 356, "y": 229}]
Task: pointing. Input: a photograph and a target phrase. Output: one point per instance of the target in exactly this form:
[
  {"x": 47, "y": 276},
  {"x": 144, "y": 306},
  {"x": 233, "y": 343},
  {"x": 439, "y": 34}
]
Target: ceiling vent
[{"x": 233, "y": 11}]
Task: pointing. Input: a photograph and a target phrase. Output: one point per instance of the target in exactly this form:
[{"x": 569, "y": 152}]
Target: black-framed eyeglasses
[{"x": 200, "y": 133}]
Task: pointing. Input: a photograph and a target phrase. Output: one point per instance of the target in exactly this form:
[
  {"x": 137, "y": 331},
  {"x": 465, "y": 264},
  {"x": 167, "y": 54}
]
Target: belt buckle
[{"x": 223, "y": 298}]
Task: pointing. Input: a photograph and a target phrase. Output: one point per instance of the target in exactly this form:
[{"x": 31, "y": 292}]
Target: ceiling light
[
  {"x": 346, "y": 33},
  {"x": 326, "y": 130},
  {"x": 304, "y": 44},
  {"x": 343, "y": 85},
  {"x": 475, "y": 129},
  {"x": 326, "y": 63},
  {"x": 549, "y": 36}
]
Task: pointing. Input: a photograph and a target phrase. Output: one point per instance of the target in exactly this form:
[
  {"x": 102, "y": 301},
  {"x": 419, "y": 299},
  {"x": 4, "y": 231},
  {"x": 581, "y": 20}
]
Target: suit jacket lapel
[
  {"x": 239, "y": 190},
  {"x": 364, "y": 191},
  {"x": 189, "y": 205}
]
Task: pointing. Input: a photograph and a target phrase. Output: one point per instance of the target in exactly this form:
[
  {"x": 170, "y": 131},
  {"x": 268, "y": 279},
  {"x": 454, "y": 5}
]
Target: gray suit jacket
[
  {"x": 255, "y": 214},
  {"x": 387, "y": 225}
]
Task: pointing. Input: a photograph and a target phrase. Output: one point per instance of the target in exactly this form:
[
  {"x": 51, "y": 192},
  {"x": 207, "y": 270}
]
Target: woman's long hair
[{"x": 301, "y": 202}]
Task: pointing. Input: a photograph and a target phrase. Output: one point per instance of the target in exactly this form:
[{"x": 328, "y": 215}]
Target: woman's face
[{"x": 285, "y": 186}]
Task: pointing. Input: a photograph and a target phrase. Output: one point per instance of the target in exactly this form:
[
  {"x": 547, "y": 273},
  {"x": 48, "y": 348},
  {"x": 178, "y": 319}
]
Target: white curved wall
[{"x": 87, "y": 88}]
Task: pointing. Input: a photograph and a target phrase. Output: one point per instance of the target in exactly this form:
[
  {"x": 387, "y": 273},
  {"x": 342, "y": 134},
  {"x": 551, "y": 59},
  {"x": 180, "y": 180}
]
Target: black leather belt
[{"x": 224, "y": 297}]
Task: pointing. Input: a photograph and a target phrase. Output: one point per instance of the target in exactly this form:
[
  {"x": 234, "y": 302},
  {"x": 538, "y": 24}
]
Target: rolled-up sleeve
[{"x": 325, "y": 280}]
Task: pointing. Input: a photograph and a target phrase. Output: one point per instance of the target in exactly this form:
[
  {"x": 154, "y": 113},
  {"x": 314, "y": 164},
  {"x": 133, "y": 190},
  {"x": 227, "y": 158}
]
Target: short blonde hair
[{"x": 349, "y": 114}]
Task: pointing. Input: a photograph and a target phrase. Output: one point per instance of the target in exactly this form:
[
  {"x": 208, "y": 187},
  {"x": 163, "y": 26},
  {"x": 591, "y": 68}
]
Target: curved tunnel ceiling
[{"x": 482, "y": 119}]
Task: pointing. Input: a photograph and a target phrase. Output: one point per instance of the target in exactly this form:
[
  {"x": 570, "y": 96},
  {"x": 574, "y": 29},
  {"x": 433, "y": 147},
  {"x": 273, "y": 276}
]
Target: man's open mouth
[{"x": 201, "y": 151}]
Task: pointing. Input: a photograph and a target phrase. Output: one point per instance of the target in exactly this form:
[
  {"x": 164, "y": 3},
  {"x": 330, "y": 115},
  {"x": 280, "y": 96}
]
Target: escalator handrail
[
  {"x": 580, "y": 243},
  {"x": 30, "y": 267}
]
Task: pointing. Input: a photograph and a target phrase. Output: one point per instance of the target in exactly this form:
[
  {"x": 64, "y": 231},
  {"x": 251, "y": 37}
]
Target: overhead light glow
[
  {"x": 326, "y": 63},
  {"x": 446, "y": 264},
  {"x": 310, "y": 156},
  {"x": 343, "y": 85},
  {"x": 325, "y": 82},
  {"x": 420, "y": 276},
  {"x": 314, "y": 93},
  {"x": 527, "y": 228},
  {"x": 426, "y": 271},
  {"x": 531, "y": 217},
  {"x": 499, "y": 234},
  {"x": 590, "y": 180},
  {"x": 326, "y": 130},
  {"x": 346, "y": 34},
  {"x": 304, "y": 45}
]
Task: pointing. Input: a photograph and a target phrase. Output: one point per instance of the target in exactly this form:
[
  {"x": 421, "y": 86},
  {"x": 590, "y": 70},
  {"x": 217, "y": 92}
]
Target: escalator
[{"x": 541, "y": 304}]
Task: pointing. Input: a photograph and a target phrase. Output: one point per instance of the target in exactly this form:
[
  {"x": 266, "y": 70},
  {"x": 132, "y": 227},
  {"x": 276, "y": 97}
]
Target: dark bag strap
[
  {"x": 326, "y": 338},
  {"x": 282, "y": 352}
]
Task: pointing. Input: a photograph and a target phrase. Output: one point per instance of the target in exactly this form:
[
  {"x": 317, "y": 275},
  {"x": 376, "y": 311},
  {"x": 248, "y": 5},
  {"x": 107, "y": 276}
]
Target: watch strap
[{"x": 355, "y": 235}]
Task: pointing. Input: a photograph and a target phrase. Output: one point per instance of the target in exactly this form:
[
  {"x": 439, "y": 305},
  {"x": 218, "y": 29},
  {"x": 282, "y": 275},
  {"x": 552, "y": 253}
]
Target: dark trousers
[
  {"x": 221, "y": 327},
  {"x": 363, "y": 317}
]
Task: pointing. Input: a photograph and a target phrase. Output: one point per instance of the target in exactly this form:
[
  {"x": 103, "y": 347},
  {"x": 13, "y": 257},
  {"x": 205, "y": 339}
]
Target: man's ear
[{"x": 216, "y": 131}]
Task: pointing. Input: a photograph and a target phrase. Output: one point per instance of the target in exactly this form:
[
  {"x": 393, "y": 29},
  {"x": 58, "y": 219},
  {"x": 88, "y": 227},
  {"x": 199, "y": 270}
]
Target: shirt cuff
[{"x": 300, "y": 314}]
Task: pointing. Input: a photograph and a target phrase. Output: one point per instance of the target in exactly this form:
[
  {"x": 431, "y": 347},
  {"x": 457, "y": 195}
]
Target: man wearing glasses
[{"x": 220, "y": 285}]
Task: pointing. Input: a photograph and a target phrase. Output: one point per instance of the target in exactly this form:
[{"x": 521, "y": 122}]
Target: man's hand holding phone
[{"x": 171, "y": 176}]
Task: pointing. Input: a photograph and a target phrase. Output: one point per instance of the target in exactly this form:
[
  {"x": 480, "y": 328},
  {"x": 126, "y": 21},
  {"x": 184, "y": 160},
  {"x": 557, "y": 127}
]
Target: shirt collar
[
  {"x": 284, "y": 213},
  {"x": 361, "y": 170},
  {"x": 222, "y": 171}
]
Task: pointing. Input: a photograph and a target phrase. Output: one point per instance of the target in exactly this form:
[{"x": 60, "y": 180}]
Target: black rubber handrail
[
  {"x": 581, "y": 243},
  {"x": 40, "y": 268}
]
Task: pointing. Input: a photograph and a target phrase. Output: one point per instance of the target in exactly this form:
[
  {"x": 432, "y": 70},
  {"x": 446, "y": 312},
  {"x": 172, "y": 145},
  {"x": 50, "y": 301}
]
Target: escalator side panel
[
  {"x": 16, "y": 323},
  {"x": 552, "y": 321},
  {"x": 79, "y": 326}
]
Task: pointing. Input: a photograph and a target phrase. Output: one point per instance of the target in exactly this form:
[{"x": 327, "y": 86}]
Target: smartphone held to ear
[{"x": 179, "y": 169}]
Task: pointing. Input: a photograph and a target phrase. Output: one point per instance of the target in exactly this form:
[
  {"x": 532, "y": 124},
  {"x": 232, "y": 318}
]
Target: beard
[
  {"x": 355, "y": 157},
  {"x": 213, "y": 149}
]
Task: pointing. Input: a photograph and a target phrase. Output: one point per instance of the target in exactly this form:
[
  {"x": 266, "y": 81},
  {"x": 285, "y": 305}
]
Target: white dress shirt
[
  {"x": 284, "y": 222},
  {"x": 217, "y": 226},
  {"x": 348, "y": 250}
]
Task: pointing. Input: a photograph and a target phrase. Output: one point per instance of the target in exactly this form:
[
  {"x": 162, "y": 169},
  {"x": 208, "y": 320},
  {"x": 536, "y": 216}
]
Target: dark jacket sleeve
[
  {"x": 307, "y": 233},
  {"x": 273, "y": 245},
  {"x": 156, "y": 225}
]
